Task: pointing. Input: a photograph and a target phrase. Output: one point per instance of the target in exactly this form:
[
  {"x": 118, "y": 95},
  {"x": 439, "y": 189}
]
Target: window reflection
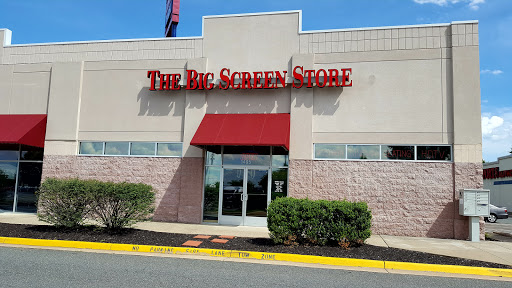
[
  {"x": 363, "y": 152},
  {"x": 211, "y": 194},
  {"x": 116, "y": 148},
  {"x": 169, "y": 149},
  {"x": 143, "y": 148},
  {"x": 31, "y": 153},
  {"x": 7, "y": 184},
  {"x": 29, "y": 179},
  {"x": 91, "y": 148},
  {"x": 330, "y": 151},
  {"x": 247, "y": 155}
]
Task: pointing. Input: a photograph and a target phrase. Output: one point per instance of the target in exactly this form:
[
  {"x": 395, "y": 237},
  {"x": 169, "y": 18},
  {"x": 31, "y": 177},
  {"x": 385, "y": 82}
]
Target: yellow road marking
[{"x": 454, "y": 269}]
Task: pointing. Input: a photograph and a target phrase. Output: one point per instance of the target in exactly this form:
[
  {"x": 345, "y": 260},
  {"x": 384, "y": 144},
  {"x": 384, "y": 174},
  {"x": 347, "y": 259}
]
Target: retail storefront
[
  {"x": 221, "y": 124},
  {"x": 498, "y": 179}
]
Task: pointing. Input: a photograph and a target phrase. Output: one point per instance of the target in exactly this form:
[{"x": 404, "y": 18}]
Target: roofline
[{"x": 7, "y": 44}]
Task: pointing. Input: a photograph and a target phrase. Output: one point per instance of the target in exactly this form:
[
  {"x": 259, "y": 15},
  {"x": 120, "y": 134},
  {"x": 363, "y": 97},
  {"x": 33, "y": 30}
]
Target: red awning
[
  {"x": 244, "y": 130},
  {"x": 23, "y": 129}
]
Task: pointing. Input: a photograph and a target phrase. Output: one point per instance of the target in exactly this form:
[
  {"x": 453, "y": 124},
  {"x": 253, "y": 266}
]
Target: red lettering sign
[
  {"x": 493, "y": 173},
  {"x": 255, "y": 80}
]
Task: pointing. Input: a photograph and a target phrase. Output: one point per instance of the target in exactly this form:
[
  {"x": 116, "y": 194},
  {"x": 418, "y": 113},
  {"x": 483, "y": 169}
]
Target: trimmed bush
[
  {"x": 320, "y": 222},
  {"x": 69, "y": 202},
  {"x": 120, "y": 205},
  {"x": 63, "y": 202}
]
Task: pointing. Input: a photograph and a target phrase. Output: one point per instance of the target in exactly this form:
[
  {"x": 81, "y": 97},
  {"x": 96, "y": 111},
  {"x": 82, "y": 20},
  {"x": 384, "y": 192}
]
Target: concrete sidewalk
[{"x": 489, "y": 251}]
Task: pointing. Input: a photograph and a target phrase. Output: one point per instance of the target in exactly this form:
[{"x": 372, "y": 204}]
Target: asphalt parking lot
[{"x": 501, "y": 230}]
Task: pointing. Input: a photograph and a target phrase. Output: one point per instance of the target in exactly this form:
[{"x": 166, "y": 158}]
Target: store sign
[
  {"x": 251, "y": 80},
  {"x": 493, "y": 173}
]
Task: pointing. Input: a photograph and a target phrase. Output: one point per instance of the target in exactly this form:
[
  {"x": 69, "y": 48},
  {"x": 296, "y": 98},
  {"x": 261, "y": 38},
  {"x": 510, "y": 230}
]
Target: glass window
[
  {"x": 91, "y": 148},
  {"x": 279, "y": 183},
  {"x": 330, "y": 151},
  {"x": 211, "y": 194},
  {"x": 8, "y": 172},
  {"x": 29, "y": 179},
  {"x": 434, "y": 153},
  {"x": 116, "y": 148},
  {"x": 9, "y": 152},
  {"x": 363, "y": 151},
  {"x": 397, "y": 152},
  {"x": 213, "y": 158},
  {"x": 169, "y": 149},
  {"x": 279, "y": 157},
  {"x": 31, "y": 153},
  {"x": 247, "y": 155},
  {"x": 143, "y": 148}
]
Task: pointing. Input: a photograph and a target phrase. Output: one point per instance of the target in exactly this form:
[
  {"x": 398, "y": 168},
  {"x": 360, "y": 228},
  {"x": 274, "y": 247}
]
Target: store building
[
  {"x": 498, "y": 179},
  {"x": 386, "y": 115}
]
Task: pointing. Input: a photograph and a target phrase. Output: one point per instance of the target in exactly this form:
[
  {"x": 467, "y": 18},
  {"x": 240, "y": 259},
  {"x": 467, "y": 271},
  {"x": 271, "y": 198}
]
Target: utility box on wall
[{"x": 474, "y": 202}]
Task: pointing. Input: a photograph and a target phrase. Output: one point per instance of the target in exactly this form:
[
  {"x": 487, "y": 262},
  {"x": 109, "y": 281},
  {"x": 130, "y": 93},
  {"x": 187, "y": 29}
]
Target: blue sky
[{"x": 36, "y": 21}]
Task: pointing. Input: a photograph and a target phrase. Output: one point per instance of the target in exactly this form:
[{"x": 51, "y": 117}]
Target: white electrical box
[{"x": 474, "y": 202}]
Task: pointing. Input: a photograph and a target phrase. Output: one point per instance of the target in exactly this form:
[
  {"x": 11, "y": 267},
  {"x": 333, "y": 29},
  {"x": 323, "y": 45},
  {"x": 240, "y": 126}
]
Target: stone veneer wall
[
  {"x": 177, "y": 181},
  {"x": 406, "y": 198}
]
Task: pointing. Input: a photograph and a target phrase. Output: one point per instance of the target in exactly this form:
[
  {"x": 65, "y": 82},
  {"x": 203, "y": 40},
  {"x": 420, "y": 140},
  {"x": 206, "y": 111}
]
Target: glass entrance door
[{"x": 244, "y": 196}]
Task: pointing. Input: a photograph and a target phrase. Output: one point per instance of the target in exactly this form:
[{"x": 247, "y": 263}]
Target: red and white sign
[{"x": 251, "y": 80}]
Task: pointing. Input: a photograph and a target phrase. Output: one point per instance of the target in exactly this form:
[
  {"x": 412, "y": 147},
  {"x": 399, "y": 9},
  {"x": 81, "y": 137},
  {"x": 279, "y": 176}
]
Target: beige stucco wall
[{"x": 409, "y": 84}]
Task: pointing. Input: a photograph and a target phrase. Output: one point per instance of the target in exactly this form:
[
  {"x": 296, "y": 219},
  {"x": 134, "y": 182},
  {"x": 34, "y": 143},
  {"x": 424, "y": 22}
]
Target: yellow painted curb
[
  {"x": 454, "y": 269},
  {"x": 262, "y": 256},
  {"x": 57, "y": 243}
]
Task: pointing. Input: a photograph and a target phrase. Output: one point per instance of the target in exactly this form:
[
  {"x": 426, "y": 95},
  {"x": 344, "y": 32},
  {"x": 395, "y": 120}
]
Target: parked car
[{"x": 496, "y": 213}]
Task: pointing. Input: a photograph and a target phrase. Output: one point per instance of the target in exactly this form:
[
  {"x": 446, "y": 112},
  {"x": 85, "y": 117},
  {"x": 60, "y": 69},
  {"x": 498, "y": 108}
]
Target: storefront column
[
  {"x": 467, "y": 142},
  {"x": 64, "y": 108},
  {"x": 301, "y": 114},
  {"x": 191, "y": 168},
  {"x": 300, "y": 177}
]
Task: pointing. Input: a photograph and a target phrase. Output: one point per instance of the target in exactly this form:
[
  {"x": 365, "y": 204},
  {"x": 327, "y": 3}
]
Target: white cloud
[
  {"x": 472, "y": 4},
  {"x": 489, "y": 124},
  {"x": 496, "y": 135},
  {"x": 493, "y": 72}
]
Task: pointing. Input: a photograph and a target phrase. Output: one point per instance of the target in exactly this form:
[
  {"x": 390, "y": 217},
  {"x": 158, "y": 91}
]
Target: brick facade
[
  {"x": 177, "y": 181},
  {"x": 406, "y": 198}
]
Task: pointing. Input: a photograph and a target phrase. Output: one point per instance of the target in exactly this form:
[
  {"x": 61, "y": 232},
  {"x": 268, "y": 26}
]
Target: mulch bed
[{"x": 142, "y": 237}]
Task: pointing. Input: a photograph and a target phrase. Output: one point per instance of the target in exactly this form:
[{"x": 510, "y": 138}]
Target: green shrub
[
  {"x": 69, "y": 202},
  {"x": 120, "y": 205},
  {"x": 319, "y": 222},
  {"x": 63, "y": 202}
]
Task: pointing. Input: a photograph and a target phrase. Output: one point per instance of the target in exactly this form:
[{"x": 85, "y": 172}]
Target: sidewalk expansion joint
[{"x": 351, "y": 262}]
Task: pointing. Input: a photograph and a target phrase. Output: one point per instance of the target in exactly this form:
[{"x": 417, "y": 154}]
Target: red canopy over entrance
[
  {"x": 244, "y": 130},
  {"x": 23, "y": 129}
]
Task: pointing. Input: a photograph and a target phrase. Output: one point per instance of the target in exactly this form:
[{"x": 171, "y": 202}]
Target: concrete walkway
[{"x": 490, "y": 251}]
